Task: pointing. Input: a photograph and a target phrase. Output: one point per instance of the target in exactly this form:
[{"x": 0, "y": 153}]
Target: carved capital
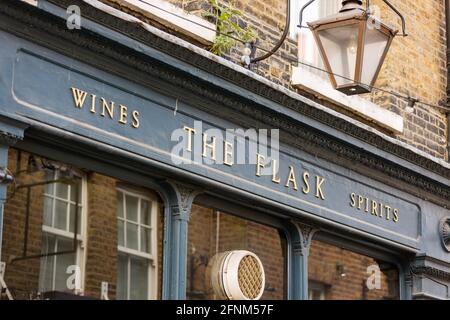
[
  {"x": 306, "y": 233},
  {"x": 8, "y": 139},
  {"x": 185, "y": 197}
]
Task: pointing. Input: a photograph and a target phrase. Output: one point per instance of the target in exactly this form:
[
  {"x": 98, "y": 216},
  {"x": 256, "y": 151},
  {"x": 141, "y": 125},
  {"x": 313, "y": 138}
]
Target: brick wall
[
  {"x": 101, "y": 254},
  {"x": 415, "y": 65}
]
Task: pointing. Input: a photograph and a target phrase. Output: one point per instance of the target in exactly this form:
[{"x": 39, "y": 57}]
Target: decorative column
[
  {"x": 301, "y": 237},
  {"x": 177, "y": 213}
]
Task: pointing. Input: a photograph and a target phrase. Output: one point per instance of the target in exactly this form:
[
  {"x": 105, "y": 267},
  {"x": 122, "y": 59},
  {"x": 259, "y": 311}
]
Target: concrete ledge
[
  {"x": 173, "y": 17},
  {"x": 314, "y": 84}
]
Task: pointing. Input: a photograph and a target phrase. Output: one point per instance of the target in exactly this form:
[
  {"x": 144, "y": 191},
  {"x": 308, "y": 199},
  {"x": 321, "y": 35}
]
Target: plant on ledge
[{"x": 224, "y": 17}]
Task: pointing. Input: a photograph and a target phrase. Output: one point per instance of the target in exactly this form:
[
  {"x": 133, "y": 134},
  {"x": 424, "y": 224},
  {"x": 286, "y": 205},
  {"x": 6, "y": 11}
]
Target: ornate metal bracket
[
  {"x": 280, "y": 42},
  {"x": 390, "y": 5}
]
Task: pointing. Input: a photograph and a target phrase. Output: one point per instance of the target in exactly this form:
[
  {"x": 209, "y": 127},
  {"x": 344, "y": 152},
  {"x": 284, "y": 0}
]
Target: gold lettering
[
  {"x": 93, "y": 100},
  {"x": 306, "y": 189},
  {"x": 291, "y": 178},
  {"x": 260, "y": 163},
  {"x": 190, "y": 132},
  {"x": 123, "y": 114},
  {"x": 227, "y": 153},
  {"x": 211, "y": 146},
  {"x": 388, "y": 212},
  {"x": 378, "y": 209},
  {"x": 374, "y": 208},
  {"x": 79, "y": 96},
  {"x": 319, "y": 183},
  {"x": 396, "y": 217},
  {"x": 107, "y": 108},
  {"x": 275, "y": 177},
  {"x": 135, "y": 123},
  {"x": 353, "y": 200},
  {"x": 360, "y": 201}
]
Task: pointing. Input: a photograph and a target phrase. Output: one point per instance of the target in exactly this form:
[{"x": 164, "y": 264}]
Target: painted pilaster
[
  {"x": 178, "y": 212},
  {"x": 430, "y": 279}
]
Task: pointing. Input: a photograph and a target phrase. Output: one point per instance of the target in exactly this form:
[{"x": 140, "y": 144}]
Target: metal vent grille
[
  {"x": 237, "y": 275},
  {"x": 250, "y": 277}
]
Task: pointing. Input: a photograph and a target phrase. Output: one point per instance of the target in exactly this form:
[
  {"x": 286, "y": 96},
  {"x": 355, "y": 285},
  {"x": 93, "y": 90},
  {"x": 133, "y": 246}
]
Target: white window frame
[
  {"x": 152, "y": 257},
  {"x": 80, "y": 255},
  {"x": 174, "y": 18},
  {"x": 318, "y": 287},
  {"x": 307, "y": 48}
]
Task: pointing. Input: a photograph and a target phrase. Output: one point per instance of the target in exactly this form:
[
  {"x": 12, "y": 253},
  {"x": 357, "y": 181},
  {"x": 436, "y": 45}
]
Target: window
[
  {"x": 172, "y": 16},
  {"x": 336, "y": 273},
  {"x": 307, "y": 49},
  {"x": 60, "y": 204},
  {"x": 212, "y": 233},
  {"x": 137, "y": 237},
  {"x": 316, "y": 291}
]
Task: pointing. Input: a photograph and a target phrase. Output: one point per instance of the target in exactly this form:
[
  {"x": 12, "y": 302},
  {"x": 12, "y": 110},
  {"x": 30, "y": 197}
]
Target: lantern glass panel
[
  {"x": 341, "y": 48},
  {"x": 375, "y": 44}
]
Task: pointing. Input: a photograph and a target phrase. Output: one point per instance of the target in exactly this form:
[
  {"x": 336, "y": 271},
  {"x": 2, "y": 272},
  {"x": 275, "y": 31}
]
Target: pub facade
[{"x": 136, "y": 164}]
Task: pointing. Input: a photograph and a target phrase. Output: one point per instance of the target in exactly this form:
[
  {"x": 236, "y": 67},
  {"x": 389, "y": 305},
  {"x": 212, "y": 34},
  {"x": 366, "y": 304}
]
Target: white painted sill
[
  {"x": 312, "y": 83},
  {"x": 173, "y": 18}
]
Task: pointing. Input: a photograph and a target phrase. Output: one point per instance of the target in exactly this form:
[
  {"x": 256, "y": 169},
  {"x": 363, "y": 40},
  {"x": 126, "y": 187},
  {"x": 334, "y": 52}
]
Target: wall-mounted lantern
[{"x": 353, "y": 45}]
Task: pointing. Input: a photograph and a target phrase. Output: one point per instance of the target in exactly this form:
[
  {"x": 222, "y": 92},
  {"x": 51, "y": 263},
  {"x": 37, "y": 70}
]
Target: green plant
[{"x": 224, "y": 17}]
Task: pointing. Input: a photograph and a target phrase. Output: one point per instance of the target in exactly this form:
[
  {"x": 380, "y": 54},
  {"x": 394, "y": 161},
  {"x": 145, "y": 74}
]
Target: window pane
[
  {"x": 61, "y": 214},
  {"x": 340, "y": 45},
  {"x": 63, "y": 261},
  {"x": 132, "y": 208},
  {"x": 145, "y": 240},
  {"x": 122, "y": 272},
  {"x": 48, "y": 209},
  {"x": 72, "y": 218},
  {"x": 132, "y": 236},
  {"x": 120, "y": 204},
  {"x": 120, "y": 228},
  {"x": 145, "y": 212},
  {"x": 50, "y": 187},
  {"x": 347, "y": 275},
  {"x": 375, "y": 43},
  {"x": 61, "y": 190},
  {"x": 139, "y": 279},
  {"x": 46, "y": 270},
  {"x": 73, "y": 191}
]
